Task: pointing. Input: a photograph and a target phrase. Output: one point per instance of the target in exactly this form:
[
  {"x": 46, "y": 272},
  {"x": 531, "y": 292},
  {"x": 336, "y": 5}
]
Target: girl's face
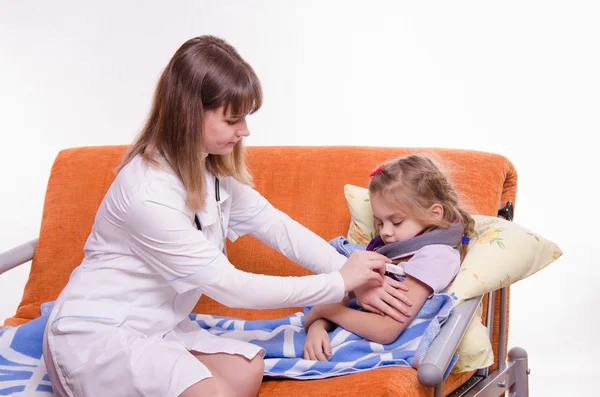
[
  {"x": 394, "y": 225},
  {"x": 223, "y": 131}
]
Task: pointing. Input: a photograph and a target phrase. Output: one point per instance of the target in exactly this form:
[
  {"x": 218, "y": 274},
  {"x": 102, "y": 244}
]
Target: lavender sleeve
[{"x": 435, "y": 265}]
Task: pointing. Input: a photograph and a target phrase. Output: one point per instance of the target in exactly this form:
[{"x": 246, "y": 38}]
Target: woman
[{"x": 156, "y": 246}]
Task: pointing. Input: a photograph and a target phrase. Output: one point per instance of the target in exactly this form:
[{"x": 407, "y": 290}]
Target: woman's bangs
[{"x": 243, "y": 98}]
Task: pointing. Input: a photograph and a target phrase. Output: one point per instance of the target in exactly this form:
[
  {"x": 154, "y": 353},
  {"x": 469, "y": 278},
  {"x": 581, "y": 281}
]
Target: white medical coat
[{"x": 122, "y": 324}]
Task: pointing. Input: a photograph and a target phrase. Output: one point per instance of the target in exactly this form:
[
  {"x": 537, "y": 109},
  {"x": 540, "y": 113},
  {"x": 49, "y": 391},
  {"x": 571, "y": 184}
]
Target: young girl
[
  {"x": 417, "y": 211},
  {"x": 121, "y": 327}
]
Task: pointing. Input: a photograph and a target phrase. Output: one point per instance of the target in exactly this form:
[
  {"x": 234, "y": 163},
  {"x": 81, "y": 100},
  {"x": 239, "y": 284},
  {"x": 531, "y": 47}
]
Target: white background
[{"x": 519, "y": 78}]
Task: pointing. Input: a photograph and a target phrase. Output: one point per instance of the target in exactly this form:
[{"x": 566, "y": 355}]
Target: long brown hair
[
  {"x": 413, "y": 184},
  {"x": 204, "y": 74}
]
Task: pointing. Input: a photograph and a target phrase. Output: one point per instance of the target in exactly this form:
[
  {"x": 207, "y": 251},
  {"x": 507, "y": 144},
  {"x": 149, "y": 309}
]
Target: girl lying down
[{"x": 422, "y": 228}]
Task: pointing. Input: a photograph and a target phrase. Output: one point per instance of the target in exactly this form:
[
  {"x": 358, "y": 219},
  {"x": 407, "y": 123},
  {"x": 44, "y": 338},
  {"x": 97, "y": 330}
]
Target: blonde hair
[
  {"x": 204, "y": 74},
  {"x": 414, "y": 183}
]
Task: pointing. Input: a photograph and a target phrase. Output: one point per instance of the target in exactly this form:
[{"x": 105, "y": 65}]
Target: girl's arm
[{"x": 374, "y": 327}]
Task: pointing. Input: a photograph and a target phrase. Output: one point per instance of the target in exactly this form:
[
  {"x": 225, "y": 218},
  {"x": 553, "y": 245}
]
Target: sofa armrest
[
  {"x": 440, "y": 353},
  {"x": 17, "y": 256}
]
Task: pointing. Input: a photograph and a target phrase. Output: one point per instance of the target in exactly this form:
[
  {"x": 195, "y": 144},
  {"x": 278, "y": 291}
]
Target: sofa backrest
[{"x": 304, "y": 182}]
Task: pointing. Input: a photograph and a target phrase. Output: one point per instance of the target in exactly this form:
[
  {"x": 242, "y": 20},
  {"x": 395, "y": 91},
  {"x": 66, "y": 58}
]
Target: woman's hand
[
  {"x": 388, "y": 299},
  {"x": 363, "y": 267},
  {"x": 317, "y": 345}
]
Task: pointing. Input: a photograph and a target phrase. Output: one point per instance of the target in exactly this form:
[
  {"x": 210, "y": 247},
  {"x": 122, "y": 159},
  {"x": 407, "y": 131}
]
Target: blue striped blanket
[
  {"x": 283, "y": 340},
  {"x": 22, "y": 370}
]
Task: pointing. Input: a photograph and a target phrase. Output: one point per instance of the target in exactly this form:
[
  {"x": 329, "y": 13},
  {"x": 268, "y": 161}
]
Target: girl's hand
[
  {"x": 388, "y": 299},
  {"x": 363, "y": 267},
  {"x": 317, "y": 345}
]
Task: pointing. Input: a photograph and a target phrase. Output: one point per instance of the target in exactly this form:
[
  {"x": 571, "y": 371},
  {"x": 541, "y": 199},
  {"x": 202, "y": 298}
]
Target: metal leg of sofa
[
  {"x": 437, "y": 392},
  {"x": 517, "y": 359},
  {"x": 495, "y": 385},
  {"x": 512, "y": 378}
]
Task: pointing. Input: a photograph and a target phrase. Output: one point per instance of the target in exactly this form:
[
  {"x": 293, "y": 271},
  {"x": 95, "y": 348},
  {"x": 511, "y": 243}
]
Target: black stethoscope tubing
[{"x": 217, "y": 197}]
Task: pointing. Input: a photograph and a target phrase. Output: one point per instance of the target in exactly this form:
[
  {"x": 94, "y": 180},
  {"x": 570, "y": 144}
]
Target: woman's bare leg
[
  {"x": 210, "y": 387},
  {"x": 243, "y": 376}
]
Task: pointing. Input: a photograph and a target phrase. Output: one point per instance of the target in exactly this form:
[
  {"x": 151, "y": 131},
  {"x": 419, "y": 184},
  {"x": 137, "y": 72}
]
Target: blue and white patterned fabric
[
  {"x": 283, "y": 340},
  {"x": 345, "y": 247},
  {"x": 23, "y": 373},
  {"x": 22, "y": 369}
]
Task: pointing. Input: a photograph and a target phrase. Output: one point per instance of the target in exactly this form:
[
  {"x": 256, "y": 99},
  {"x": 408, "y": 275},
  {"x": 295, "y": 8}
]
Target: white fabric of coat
[{"x": 121, "y": 323}]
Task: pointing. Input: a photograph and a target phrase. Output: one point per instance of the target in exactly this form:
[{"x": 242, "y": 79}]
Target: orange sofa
[{"x": 306, "y": 183}]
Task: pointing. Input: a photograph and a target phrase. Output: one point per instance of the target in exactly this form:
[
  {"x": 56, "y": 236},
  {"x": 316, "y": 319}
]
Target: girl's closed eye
[{"x": 232, "y": 122}]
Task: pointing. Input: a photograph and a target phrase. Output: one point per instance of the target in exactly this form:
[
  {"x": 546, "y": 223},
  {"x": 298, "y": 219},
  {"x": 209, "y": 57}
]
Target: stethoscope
[{"x": 220, "y": 214}]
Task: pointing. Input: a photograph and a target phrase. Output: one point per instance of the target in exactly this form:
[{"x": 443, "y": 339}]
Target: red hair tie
[{"x": 376, "y": 171}]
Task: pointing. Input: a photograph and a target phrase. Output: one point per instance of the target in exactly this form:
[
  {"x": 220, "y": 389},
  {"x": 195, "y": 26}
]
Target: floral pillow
[
  {"x": 500, "y": 253},
  {"x": 362, "y": 224}
]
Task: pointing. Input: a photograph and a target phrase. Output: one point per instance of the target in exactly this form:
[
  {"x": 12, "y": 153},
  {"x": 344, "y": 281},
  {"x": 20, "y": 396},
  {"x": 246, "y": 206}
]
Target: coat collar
[{"x": 210, "y": 214}]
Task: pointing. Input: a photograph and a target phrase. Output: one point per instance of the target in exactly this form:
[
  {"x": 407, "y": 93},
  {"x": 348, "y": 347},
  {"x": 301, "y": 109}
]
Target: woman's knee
[
  {"x": 249, "y": 383},
  {"x": 214, "y": 387},
  {"x": 256, "y": 369}
]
